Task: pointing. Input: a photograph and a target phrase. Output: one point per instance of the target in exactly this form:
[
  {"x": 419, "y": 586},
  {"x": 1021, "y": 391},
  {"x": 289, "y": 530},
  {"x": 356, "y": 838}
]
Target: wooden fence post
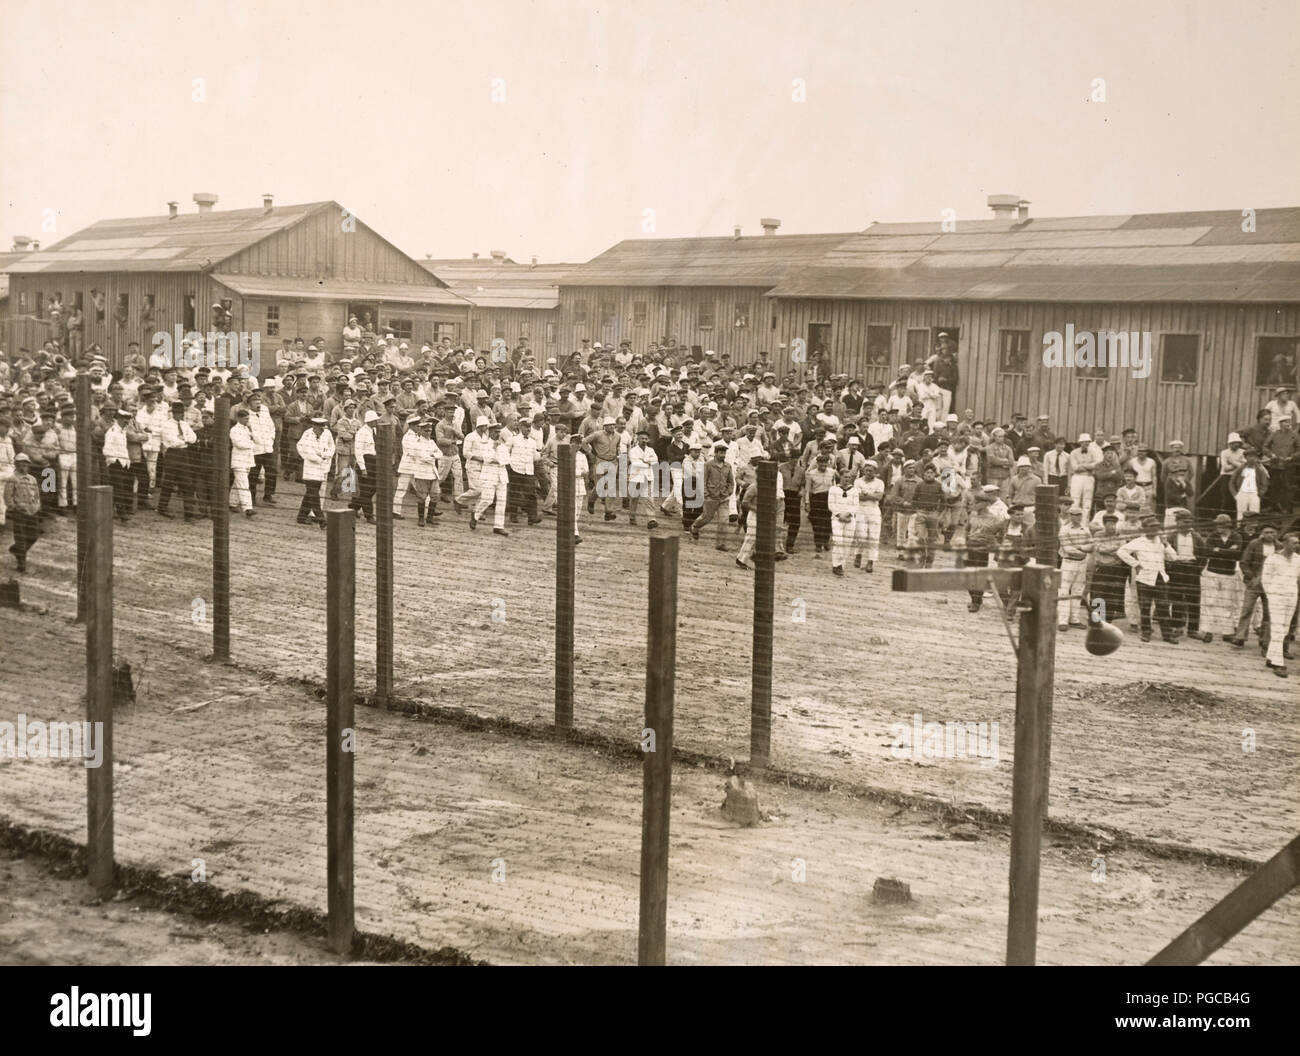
[
  {"x": 760, "y": 708},
  {"x": 1035, "y": 674},
  {"x": 565, "y": 576},
  {"x": 384, "y": 441},
  {"x": 99, "y": 688},
  {"x": 657, "y": 775},
  {"x": 340, "y": 750},
  {"x": 220, "y": 508},
  {"x": 1047, "y": 525},
  {"x": 1235, "y": 910},
  {"x": 85, "y": 459}
]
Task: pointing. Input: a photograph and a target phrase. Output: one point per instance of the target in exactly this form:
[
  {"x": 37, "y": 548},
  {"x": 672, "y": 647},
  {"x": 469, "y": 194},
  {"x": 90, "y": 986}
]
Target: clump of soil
[{"x": 1164, "y": 698}]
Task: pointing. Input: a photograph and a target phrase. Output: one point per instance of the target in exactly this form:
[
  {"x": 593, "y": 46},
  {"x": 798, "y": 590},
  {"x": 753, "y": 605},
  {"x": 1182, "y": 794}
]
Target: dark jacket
[
  {"x": 1223, "y": 555},
  {"x": 1252, "y": 560}
]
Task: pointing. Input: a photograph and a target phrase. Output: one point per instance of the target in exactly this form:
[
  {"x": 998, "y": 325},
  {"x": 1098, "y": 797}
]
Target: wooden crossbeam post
[
  {"x": 99, "y": 687},
  {"x": 657, "y": 776},
  {"x": 565, "y": 577},
  {"x": 760, "y": 708},
  {"x": 383, "y": 499},
  {"x": 1035, "y": 671},
  {"x": 340, "y": 618},
  {"x": 1037, "y": 585},
  {"x": 1247, "y": 901}
]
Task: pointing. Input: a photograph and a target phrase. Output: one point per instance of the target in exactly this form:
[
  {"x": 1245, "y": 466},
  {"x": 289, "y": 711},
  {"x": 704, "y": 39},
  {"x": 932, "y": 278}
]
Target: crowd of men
[{"x": 673, "y": 434}]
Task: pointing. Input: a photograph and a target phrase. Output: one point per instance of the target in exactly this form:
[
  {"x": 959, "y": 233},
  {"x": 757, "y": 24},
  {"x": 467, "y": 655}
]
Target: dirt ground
[
  {"x": 49, "y": 916},
  {"x": 1196, "y": 745},
  {"x": 521, "y": 850}
]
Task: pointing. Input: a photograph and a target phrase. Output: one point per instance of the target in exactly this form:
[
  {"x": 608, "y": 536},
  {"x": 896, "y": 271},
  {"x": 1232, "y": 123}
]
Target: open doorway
[
  {"x": 367, "y": 313},
  {"x": 819, "y": 338},
  {"x": 953, "y": 333}
]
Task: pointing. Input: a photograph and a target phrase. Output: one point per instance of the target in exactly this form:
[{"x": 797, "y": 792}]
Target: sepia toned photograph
[{"x": 682, "y": 483}]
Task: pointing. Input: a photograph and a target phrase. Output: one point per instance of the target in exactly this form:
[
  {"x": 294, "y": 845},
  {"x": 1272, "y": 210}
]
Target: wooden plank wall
[
  {"x": 319, "y": 247},
  {"x": 671, "y": 311},
  {"x": 514, "y": 323},
  {"x": 1202, "y": 414},
  {"x": 169, "y": 290}
]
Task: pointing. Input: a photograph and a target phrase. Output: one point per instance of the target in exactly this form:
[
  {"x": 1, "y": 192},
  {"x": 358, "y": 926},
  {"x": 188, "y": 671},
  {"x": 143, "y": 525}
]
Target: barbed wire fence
[{"x": 476, "y": 622}]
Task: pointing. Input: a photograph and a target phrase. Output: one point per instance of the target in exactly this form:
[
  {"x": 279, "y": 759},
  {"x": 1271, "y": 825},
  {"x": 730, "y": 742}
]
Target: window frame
[
  {"x": 1200, "y": 344},
  {"x": 1294, "y": 339},
  {"x": 1029, "y": 343},
  {"x": 709, "y": 321},
  {"x": 272, "y": 321}
]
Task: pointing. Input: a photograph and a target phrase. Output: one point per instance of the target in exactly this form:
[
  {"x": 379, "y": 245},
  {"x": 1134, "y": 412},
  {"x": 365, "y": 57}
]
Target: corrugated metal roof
[
  {"x": 489, "y": 284},
  {"x": 755, "y": 260},
  {"x": 1227, "y": 282},
  {"x": 337, "y": 289},
  {"x": 1201, "y": 256},
  {"x": 5, "y": 260},
  {"x": 186, "y": 242}
]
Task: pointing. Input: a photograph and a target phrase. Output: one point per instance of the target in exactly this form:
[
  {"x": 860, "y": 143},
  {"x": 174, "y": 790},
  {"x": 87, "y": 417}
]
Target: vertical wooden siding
[
  {"x": 318, "y": 247},
  {"x": 169, "y": 290},
  {"x": 671, "y": 311},
  {"x": 1223, "y": 399}
]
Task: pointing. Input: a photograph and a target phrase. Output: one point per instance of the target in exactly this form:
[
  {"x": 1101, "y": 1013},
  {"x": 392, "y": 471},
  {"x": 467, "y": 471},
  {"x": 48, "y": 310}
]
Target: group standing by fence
[{"x": 662, "y": 438}]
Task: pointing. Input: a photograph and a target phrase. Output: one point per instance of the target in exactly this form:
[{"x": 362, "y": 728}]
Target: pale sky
[{"x": 683, "y": 108}]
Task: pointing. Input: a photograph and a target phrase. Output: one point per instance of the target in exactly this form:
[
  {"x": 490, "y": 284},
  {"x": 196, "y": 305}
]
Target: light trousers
[
  {"x": 1281, "y": 608},
  {"x": 1081, "y": 488},
  {"x": 1220, "y": 602},
  {"x": 842, "y": 535},
  {"x": 67, "y": 479},
  {"x": 242, "y": 493},
  {"x": 866, "y": 534},
  {"x": 492, "y": 490},
  {"x": 473, "y": 476},
  {"x": 1074, "y": 579}
]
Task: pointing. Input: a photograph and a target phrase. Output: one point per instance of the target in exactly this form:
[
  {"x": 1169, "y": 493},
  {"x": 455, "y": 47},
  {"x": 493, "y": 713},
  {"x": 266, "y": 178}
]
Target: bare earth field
[
  {"x": 226, "y": 764},
  {"x": 51, "y": 918}
]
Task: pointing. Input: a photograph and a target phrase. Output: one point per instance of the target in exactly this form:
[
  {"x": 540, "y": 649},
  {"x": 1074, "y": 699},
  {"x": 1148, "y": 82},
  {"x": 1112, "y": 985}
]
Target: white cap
[
  {"x": 372, "y": 416},
  {"x": 1176, "y": 443},
  {"x": 1084, "y": 438},
  {"x": 1023, "y": 460},
  {"x": 598, "y": 345},
  {"x": 580, "y": 387},
  {"x": 481, "y": 421},
  {"x": 854, "y": 440},
  {"x": 1234, "y": 438},
  {"x": 608, "y": 421}
]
